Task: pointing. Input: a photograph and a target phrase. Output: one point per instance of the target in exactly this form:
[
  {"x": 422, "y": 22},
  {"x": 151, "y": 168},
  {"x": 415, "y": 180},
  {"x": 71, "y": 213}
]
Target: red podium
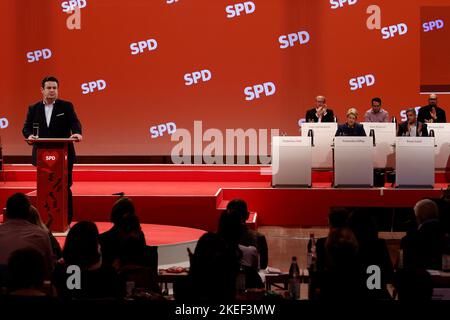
[{"x": 52, "y": 171}]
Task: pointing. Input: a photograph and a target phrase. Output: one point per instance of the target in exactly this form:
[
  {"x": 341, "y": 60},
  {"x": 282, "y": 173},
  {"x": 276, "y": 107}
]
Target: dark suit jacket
[
  {"x": 311, "y": 116},
  {"x": 345, "y": 130},
  {"x": 421, "y": 128},
  {"x": 63, "y": 123},
  {"x": 423, "y": 247},
  {"x": 424, "y": 114}
]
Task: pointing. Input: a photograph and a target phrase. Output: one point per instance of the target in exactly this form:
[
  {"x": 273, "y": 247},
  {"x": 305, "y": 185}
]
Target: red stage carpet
[{"x": 193, "y": 196}]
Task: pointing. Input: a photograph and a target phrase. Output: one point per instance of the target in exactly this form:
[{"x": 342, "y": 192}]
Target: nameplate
[
  {"x": 294, "y": 141},
  {"x": 438, "y": 126},
  {"x": 353, "y": 141},
  {"x": 415, "y": 142}
]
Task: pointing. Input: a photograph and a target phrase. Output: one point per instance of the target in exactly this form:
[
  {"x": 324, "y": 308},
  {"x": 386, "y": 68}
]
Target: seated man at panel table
[
  {"x": 376, "y": 113},
  {"x": 432, "y": 113},
  {"x": 412, "y": 127},
  {"x": 321, "y": 112},
  {"x": 351, "y": 127}
]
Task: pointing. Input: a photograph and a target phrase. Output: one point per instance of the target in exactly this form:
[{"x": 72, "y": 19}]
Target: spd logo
[
  {"x": 197, "y": 76},
  {"x": 235, "y": 10},
  {"x": 34, "y": 56},
  {"x": 360, "y": 82},
  {"x": 259, "y": 90},
  {"x": 92, "y": 86}
]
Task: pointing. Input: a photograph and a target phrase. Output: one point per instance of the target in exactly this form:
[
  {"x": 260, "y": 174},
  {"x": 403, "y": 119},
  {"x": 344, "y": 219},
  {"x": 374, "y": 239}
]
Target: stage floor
[
  {"x": 172, "y": 242},
  {"x": 195, "y": 195}
]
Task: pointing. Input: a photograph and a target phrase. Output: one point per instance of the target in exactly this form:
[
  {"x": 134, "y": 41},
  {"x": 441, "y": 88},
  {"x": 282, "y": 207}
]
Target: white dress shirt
[{"x": 48, "y": 112}]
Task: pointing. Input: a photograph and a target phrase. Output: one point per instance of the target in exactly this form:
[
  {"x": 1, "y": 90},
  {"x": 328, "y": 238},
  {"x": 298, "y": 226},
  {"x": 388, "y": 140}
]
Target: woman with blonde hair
[{"x": 351, "y": 127}]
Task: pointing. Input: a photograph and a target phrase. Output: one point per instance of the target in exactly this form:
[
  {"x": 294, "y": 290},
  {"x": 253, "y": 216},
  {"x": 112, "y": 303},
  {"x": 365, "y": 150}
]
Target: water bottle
[{"x": 294, "y": 280}]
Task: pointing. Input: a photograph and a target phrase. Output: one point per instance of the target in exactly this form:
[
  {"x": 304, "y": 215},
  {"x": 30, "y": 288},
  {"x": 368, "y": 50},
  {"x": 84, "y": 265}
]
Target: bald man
[
  {"x": 424, "y": 246},
  {"x": 432, "y": 113},
  {"x": 321, "y": 112}
]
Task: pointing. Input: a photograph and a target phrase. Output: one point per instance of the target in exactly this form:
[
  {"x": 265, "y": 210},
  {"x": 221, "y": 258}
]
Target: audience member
[
  {"x": 423, "y": 247},
  {"x": 26, "y": 273},
  {"x": 110, "y": 239},
  {"x": 249, "y": 237},
  {"x": 82, "y": 249},
  {"x": 414, "y": 285},
  {"x": 372, "y": 250},
  {"x": 35, "y": 218},
  {"x": 133, "y": 267},
  {"x": 18, "y": 233},
  {"x": 230, "y": 230},
  {"x": 213, "y": 271},
  {"x": 337, "y": 219},
  {"x": 342, "y": 278}
]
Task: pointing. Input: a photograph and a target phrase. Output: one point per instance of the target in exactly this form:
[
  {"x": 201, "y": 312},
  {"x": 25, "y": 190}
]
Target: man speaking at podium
[{"x": 56, "y": 119}]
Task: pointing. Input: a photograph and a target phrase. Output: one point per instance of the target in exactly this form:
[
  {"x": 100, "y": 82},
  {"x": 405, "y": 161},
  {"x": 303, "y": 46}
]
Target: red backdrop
[{"x": 149, "y": 89}]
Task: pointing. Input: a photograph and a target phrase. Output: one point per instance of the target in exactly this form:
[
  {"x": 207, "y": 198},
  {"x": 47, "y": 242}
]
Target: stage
[{"x": 194, "y": 195}]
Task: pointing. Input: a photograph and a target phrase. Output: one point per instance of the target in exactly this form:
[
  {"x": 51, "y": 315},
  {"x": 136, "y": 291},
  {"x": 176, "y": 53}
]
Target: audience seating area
[{"x": 231, "y": 264}]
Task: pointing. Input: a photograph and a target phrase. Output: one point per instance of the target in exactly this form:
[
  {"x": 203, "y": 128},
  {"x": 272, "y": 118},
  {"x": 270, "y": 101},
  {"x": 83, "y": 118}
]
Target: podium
[
  {"x": 385, "y": 135},
  {"x": 322, "y": 156},
  {"x": 52, "y": 184},
  {"x": 442, "y": 142},
  {"x": 291, "y": 161},
  {"x": 415, "y": 162},
  {"x": 353, "y": 161}
]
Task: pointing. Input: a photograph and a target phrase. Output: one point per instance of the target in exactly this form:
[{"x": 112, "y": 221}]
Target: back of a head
[
  {"x": 129, "y": 224},
  {"x": 26, "y": 269},
  {"x": 81, "y": 247},
  {"x": 18, "y": 206},
  {"x": 362, "y": 225},
  {"x": 338, "y": 218},
  {"x": 210, "y": 249},
  {"x": 426, "y": 210},
  {"x": 239, "y": 206},
  {"x": 212, "y": 269},
  {"x": 342, "y": 248},
  {"x": 122, "y": 207}
]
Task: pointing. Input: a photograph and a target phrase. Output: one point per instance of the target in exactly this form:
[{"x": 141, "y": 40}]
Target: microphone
[
  {"x": 372, "y": 134},
  {"x": 120, "y": 194},
  {"x": 311, "y": 134},
  {"x": 432, "y": 133}
]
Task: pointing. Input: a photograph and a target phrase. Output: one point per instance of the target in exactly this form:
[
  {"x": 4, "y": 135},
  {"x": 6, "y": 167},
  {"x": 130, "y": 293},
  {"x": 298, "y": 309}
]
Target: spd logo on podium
[
  {"x": 50, "y": 158},
  {"x": 4, "y": 123}
]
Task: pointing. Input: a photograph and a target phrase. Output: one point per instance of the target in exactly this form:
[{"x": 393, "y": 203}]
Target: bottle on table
[
  {"x": 312, "y": 253},
  {"x": 294, "y": 279}
]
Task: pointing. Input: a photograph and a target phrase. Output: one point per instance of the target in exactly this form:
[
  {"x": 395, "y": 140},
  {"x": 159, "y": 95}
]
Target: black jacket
[
  {"x": 424, "y": 114},
  {"x": 63, "y": 123},
  {"x": 422, "y": 130},
  {"x": 423, "y": 247},
  {"x": 311, "y": 116}
]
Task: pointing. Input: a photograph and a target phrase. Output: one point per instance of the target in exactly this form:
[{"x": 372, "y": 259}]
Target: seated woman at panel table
[{"x": 351, "y": 127}]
